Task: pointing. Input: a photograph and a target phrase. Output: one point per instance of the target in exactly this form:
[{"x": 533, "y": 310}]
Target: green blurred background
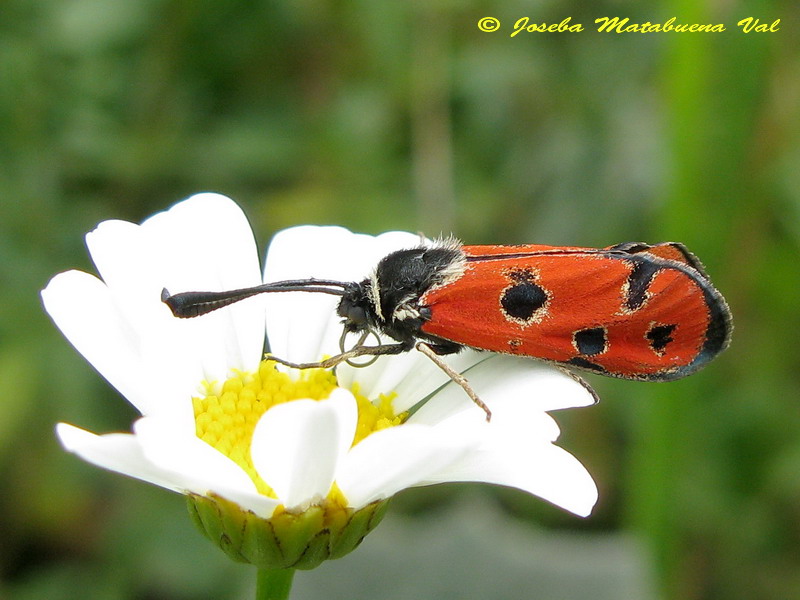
[{"x": 403, "y": 115}]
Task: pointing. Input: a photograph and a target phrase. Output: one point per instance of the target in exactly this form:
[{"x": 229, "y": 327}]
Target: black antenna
[{"x": 194, "y": 304}]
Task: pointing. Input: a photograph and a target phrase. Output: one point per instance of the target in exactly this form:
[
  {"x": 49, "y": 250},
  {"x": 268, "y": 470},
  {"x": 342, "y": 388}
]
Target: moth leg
[
  {"x": 582, "y": 381},
  {"x": 443, "y": 347},
  {"x": 455, "y": 376},
  {"x": 331, "y": 362}
]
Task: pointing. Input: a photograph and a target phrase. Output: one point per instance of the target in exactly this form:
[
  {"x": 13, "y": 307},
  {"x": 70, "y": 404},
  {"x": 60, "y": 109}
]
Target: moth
[{"x": 633, "y": 310}]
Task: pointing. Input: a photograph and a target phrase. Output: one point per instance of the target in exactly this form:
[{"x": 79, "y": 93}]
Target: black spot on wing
[
  {"x": 591, "y": 341},
  {"x": 638, "y": 282},
  {"x": 659, "y": 336},
  {"x": 522, "y": 300},
  {"x": 585, "y": 364}
]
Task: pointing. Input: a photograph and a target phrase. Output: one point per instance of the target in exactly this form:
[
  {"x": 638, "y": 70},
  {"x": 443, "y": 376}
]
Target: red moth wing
[{"x": 631, "y": 311}]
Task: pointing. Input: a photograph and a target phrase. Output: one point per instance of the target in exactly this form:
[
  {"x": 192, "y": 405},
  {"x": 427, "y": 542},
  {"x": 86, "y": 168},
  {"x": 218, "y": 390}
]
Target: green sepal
[
  {"x": 345, "y": 539},
  {"x": 285, "y": 540}
]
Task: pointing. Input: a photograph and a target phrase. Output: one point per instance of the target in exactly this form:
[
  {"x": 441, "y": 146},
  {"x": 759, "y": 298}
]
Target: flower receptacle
[{"x": 286, "y": 540}]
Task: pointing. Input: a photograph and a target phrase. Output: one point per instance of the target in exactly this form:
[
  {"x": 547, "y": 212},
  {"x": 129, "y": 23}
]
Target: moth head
[{"x": 357, "y": 309}]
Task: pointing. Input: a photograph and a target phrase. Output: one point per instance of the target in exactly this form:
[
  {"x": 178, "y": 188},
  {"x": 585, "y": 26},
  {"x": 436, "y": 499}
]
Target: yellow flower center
[{"x": 226, "y": 417}]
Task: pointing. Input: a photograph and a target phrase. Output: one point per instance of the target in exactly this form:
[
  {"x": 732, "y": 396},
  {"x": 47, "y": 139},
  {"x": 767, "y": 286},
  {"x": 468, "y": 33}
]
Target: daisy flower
[{"x": 286, "y": 468}]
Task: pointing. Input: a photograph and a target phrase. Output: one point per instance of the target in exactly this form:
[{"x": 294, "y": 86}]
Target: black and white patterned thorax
[{"x": 388, "y": 300}]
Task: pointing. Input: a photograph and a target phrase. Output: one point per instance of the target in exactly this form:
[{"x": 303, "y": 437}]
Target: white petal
[
  {"x": 202, "y": 244},
  {"x": 516, "y": 450},
  {"x": 154, "y": 359},
  {"x": 298, "y": 446},
  {"x": 397, "y": 458},
  {"x": 200, "y": 467},
  {"x": 215, "y": 237},
  {"x": 203, "y": 241},
  {"x": 126, "y": 263},
  {"x": 118, "y": 452},
  {"x": 126, "y": 454},
  {"x": 538, "y": 468},
  {"x": 83, "y": 309},
  {"x": 531, "y": 386}
]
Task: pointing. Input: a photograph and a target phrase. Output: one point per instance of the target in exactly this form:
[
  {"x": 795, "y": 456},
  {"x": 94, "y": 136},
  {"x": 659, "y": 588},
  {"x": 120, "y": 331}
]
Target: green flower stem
[{"x": 274, "y": 584}]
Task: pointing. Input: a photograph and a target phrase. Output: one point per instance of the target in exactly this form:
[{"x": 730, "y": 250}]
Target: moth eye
[{"x": 356, "y": 315}]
